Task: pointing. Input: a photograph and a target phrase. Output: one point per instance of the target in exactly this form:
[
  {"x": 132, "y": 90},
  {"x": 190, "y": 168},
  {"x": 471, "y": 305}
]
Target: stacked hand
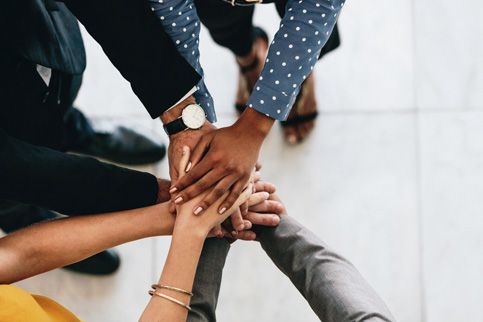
[
  {"x": 211, "y": 217},
  {"x": 223, "y": 160},
  {"x": 261, "y": 211}
]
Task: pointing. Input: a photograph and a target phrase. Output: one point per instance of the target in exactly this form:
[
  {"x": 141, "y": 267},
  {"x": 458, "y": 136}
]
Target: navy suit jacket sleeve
[
  {"x": 69, "y": 184},
  {"x": 136, "y": 43}
]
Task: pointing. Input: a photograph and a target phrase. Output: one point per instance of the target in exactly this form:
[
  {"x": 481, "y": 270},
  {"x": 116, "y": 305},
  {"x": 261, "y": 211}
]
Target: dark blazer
[
  {"x": 130, "y": 34},
  {"x": 45, "y": 32}
]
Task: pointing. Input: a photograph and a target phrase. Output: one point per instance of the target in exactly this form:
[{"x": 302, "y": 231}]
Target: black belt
[{"x": 244, "y": 2}]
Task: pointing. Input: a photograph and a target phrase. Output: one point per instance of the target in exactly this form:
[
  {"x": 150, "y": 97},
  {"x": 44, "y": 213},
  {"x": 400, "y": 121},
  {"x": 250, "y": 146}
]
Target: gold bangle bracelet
[
  {"x": 170, "y": 299},
  {"x": 155, "y": 286}
]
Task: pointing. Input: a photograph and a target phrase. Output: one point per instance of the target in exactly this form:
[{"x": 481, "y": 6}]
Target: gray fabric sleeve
[
  {"x": 206, "y": 287},
  {"x": 331, "y": 284}
]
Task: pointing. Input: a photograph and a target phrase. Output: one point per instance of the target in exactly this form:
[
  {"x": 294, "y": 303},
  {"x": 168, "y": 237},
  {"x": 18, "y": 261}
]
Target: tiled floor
[{"x": 392, "y": 177}]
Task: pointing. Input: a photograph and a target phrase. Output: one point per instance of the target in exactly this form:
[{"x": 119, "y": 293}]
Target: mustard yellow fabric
[{"x": 16, "y": 305}]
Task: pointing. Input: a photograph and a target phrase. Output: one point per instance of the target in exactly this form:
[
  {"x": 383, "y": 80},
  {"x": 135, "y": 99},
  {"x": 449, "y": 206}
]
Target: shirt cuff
[
  {"x": 194, "y": 89},
  {"x": 271, "y": 102}
]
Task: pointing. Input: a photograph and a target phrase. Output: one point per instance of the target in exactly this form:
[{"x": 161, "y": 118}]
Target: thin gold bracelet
[
  {"x": 170, "y": 299},
  {"x": 155, "y": 286}
]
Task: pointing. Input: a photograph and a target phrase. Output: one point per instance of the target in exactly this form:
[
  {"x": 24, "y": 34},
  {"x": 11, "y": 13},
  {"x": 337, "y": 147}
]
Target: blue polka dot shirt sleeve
[
  {"x": 303, "y": 32},
  {"x": 181, "y": 22}
]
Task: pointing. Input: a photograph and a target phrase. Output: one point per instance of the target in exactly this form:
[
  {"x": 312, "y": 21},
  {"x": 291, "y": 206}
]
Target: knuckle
[
  {"x": 216, "y": 158},
  {"x": 265, "y": 220},
  {"x": 190, "y": 176},
  {"x": 272, "y": 207},
  {"x": 203, "y": 185},
  {"x": 239, "y": 171},
  {"x": 186, "y": 195},
  {"x": 205, "y": 204},
  {"x": 218, "y": 192}
]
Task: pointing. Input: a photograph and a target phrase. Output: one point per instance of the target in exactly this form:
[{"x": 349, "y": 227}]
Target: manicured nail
[
  {"x": 198, "y": 210},
  {"x": 188, "y": 167},
  {"x": 178, "y": 200},
  {"x": 173, "y": 190},
  {"x": 222, "y": 210}
]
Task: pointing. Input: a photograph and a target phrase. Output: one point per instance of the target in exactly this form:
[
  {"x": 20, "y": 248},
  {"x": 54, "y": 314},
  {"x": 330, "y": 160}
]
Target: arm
[
  {"x": 71, "y": 184},
  {"x": 135, "y": 42},
  {"x": 180, "y": 21},
  {"x": 331, "y": 284},
  {"x": 207, "y": 283},
  {"x": 303, "y": 32},
  {"x": 46, "y": 246},
  {"x": 179, "y": 270}
]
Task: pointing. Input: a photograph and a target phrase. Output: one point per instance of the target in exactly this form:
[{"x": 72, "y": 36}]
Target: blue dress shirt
[{"x": 302, "y": 34}]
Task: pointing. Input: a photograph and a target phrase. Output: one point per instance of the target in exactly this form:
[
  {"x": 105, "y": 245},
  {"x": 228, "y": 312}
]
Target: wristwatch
[{"x": 192, "y": 117}]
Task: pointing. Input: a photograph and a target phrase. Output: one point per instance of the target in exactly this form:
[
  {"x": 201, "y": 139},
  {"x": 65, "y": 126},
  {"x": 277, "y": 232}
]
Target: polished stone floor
[{"x": 392, "y": 177}]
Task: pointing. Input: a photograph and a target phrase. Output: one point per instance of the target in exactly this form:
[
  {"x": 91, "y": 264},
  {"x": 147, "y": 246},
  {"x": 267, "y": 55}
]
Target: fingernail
[
  {"x": 173, "y": 190},
  {"x": 198, "y": 210},
  {"x": 188, "y": 167},
  {"x": 178, "y": 200},
  {"x": 185, "y": 149},
  {"x": 240, "y": 227},
  {"x": 276, "y": 220},
  {"x": 233, "y": 233},
  {"x": 222, "y": 210},
  {"x": 291, "y": 139}
]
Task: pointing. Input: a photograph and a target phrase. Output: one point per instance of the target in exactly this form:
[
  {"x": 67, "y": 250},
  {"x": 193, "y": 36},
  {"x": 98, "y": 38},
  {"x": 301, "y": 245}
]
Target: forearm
[
  {"x": 180, "y": 21},
  {"x": 70, "y": 184},
  {"x": 179, "y": 271},
  {"x": 57, "y": 243},
  {"x": 333, "y": 287},
  {"x": 135, "y": 42},
  {"x": 304, "y": 30},
  {"x": 207, "y": 283}
]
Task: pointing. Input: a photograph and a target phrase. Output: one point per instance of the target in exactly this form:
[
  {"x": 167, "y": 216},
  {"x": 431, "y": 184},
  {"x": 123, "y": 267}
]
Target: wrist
[
  {"x": 254, "y": 122},
  {"x": 190, "y": 229},
  {"x": 161, "y": 220},
  {"x": 175, "y": 112},
  {"x": 163, "y": 190},
  {"x": 207, "y": 126}
]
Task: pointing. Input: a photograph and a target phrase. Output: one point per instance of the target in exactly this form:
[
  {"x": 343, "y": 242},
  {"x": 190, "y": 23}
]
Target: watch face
[{"x": 193, "y": 116}]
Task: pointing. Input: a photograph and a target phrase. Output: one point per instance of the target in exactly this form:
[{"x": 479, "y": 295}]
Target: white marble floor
[{"x": 392, "y": 177}]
